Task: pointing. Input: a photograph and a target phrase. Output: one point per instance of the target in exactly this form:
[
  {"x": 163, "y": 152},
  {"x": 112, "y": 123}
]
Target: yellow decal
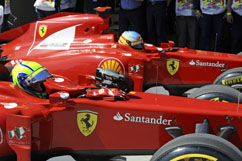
[
  {"x": 233, "y": 80},
  {"x": 172, "y": 66},
  {"x": 112, "y": 64},
  {"x": 195, "y": 157},
  {"x": 12, "y": 85},
  {"x": 218, "y": 99},
  {"x": 42, "y": 30},
  {"x": 101, "y": 91},
  {"x": 213, "y": 2},
  {"x": 87, "y": 121}
]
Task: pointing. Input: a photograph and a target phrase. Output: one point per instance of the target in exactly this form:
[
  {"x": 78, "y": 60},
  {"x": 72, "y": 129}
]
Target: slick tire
[
  {"x": 230, "y": 77},
  {"x": 9, "y": 158},
  {"x": 39, "y": 158},
  {"x": 4, "y": 73},
  {"x": 217, "y": 93},
  {"x": 198, "y": 146}
]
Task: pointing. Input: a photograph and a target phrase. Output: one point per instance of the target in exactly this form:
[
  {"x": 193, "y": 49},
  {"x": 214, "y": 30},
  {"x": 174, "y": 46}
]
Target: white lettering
[
  {"x": 146, "y": 120},
  {"x": 153, "y": 121},
  {"x": 159, "y": 121},
  {"x": 127, "y": 118},
  {"x": 208, "y": 64}
]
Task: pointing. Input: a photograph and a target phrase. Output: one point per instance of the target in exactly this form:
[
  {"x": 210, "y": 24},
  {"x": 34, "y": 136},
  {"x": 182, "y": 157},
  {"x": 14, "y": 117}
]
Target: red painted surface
[
  {"x": 53, "y": 125},
  {"x": 76, "y": 44},
  {"x": 56, "y": 124}
]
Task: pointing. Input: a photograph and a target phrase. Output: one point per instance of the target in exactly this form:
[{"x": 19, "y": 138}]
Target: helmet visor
[
  {"x": 138, "y": 44},
  {"x": 38, "y": 75}
]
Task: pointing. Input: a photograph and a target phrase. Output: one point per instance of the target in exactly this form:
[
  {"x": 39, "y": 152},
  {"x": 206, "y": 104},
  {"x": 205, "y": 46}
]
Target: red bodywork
[
  {"x": 73, "y": 44},
  {"x": 135, "y": 126}
]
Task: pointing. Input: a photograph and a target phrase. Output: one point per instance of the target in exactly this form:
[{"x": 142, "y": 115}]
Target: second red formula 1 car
[{"x": 72, "y": 44}]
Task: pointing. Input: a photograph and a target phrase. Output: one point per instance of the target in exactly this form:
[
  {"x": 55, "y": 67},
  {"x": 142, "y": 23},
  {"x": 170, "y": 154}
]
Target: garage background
[{"x": 23, "y": 12}]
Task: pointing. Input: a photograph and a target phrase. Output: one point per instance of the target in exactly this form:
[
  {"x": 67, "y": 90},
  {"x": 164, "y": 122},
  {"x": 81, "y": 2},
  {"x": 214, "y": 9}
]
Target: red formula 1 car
[
  {"x": 71, "y": 44},
  {"x": 98, "y": 123}
]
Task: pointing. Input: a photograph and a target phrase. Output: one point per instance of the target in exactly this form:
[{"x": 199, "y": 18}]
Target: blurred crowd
[{"x": 212, "y": 25}]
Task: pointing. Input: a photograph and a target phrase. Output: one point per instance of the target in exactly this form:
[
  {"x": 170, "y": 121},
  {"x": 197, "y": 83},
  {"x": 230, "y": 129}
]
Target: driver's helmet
[
  {"x": 132, "y": 39},
  {"x": 29, "y": 76}
]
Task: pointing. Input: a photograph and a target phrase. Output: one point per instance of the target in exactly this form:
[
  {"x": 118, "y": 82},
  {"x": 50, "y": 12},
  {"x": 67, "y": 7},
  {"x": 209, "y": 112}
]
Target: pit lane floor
[{"x": 122, "y": 158}]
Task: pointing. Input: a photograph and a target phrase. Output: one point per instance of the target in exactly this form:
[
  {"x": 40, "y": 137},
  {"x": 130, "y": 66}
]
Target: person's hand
[
  {"x": 229, "y": 18},
  {"x": 198, "y": 14},
  {"x": 121, "y": 95}
]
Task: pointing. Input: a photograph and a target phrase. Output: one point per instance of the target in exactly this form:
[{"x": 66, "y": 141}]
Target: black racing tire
[
  {"x": 217, "y": 93},
  {"x": 9, "y": 158},
  {"x": 4, "y": 73},
  {"x": 230, "y": 77},
  {"x": 39, "y": 158},
  {"x": 92, "y": 158},
  {"x": 198, "y": 146}
]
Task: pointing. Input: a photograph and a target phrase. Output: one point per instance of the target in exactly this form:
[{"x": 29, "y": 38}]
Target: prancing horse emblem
[
  {"x": 172, "y": 66},
  {"x": 42, "y": 30},
  {"x": 86, "y": 121}
]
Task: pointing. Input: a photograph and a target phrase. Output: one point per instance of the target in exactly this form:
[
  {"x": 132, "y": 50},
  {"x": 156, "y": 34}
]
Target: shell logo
[{"x": 112, "y": 64}]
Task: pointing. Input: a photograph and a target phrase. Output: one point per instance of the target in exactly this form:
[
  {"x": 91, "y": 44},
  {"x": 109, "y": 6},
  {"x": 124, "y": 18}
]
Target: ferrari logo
[
  {"x": 42, "y": 30},
  {"x": 172, "y": 66},
  {"x": 87, "y": 121}
]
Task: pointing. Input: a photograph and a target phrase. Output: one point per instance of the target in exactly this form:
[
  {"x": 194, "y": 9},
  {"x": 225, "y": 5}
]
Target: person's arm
[
  {"x": 196, "y": 4},
  {"x": 168, "y": 3},
  {"x": 2, "y": 2},
  {"x": 229, "y": 16},
  {"x": 57, "y": 5}
]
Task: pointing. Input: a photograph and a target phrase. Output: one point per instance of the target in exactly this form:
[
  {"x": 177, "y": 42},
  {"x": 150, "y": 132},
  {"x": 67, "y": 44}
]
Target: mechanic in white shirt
[
  {"x": 67, "y": 5},
  {"x": 234, "y": 16},
  {"x": 6, "y": 11},
  {"x": 210, "y": 14},
  {"x": 46, "y": 8},
  {"x": 186, "y": 24}
]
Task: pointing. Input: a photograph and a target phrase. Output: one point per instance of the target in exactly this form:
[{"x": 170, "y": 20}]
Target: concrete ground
[
  {"x": 138, "y": 158},
  {"x": 122, "y": 158}
]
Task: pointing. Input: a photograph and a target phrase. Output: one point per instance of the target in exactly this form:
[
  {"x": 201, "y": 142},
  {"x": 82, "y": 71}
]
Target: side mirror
[
  {"x": 168, "y": 45},
  {"x": 58, "y": 97}
]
